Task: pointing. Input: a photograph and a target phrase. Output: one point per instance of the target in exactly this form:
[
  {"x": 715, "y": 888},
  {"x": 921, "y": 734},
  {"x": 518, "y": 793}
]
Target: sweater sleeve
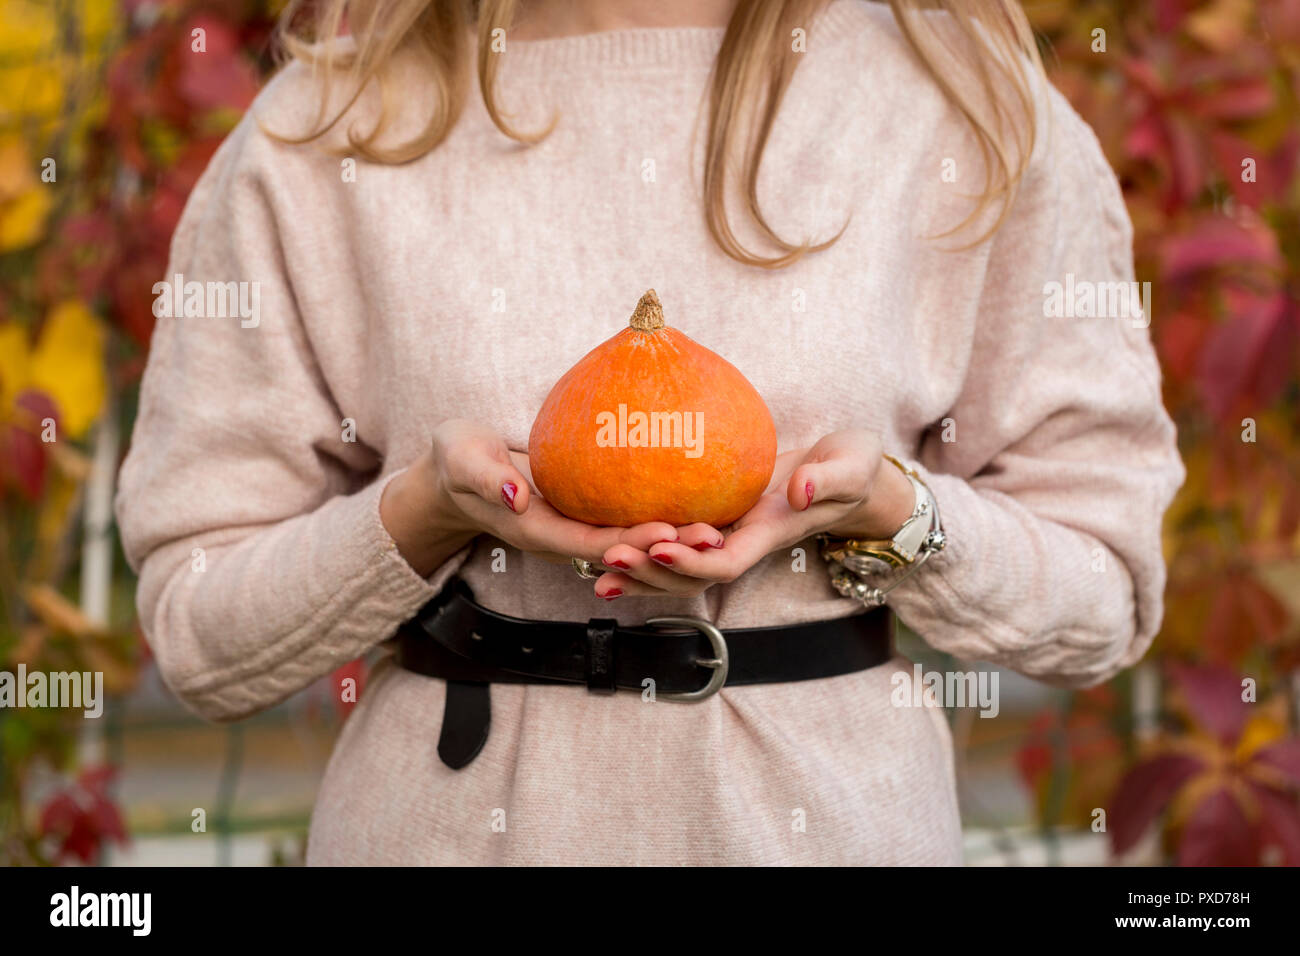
[
  {"x": 1057, "y": 461},
  {"x": 251, "y": 518}
]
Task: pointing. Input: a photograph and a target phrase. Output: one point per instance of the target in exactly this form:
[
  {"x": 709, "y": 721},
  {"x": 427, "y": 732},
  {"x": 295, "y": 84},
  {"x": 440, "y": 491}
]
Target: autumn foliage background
[{"x": 108, "y": 115}]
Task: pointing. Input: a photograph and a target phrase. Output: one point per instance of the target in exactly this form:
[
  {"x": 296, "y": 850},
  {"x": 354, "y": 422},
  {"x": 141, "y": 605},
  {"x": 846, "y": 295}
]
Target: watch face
[{"x": 864, "y": 564}]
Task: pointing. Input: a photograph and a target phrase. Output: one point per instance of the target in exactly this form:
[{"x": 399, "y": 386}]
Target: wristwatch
[{"x": 921, "y": 535}]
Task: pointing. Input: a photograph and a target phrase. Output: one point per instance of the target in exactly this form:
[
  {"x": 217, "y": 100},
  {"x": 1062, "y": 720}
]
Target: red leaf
[
  {"x": 22, "y": 461},
  {"x": 1187, "y": 158},
  {"x": 1144, "y": 792},
  {"x": 189, "y": 166},
  {"x": 1034, "y": 758},
  {"x": 1143, "y": 76},
  {"x": 63, "y": 819},
  {"x": 1238, "y": 352},
  {"x": 1284, "y": 756},
  {"x": 1279, "y": 827},
  {"x": 59, "y": 812},
  {"x": 1229, "y": 150},
  {"x": 96, "y": 779},
  {"x": 133, "y": 297},
  {"x": 1244, "y": 614},
  {"x": 1282, "y": 20},
  {"x": 1182, "y": 338},
  {"x": 82, "y": 816},
  {"x": 92, "y": 228},
  {"x": 1145, "y": 138},
  {"x": 1213, "y": 699},
  {"x": 1243, "y": 100},
  {"x": 1218, "y": 834},
  {"x": 25, "y": 454},
  {"x": 219, "y": 76},
  {"x": 1169, "y": 14},
  {"x": 1217, "y": 241},
  {"x": 164, "y": 210}
]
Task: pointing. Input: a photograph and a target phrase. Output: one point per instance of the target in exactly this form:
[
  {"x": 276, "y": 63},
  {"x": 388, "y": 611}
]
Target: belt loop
[{"x": 600, "y": 655}]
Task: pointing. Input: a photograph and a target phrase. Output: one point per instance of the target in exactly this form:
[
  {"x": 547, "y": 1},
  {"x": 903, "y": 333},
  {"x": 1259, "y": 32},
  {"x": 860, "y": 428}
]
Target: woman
[{"x": 888, "y": 198}]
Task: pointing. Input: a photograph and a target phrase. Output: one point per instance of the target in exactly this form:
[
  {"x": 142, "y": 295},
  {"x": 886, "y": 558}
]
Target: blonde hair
[{"x": 981, "y": 55}]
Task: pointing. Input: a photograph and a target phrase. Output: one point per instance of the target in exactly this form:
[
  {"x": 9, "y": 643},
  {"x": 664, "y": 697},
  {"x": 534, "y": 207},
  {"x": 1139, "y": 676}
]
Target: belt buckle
[{"x": 718, "y": 663}]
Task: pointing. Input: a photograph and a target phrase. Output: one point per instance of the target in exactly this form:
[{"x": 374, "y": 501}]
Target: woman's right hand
[{"x": 469, "y": 483}]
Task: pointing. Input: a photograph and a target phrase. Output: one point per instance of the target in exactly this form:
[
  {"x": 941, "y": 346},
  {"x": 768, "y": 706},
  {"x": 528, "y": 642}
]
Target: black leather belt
[{"x": 678, "y": 658}]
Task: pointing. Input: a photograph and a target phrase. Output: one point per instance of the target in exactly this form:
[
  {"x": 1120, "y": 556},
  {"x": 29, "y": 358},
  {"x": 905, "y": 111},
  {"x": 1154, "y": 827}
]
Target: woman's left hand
[{"x": 842, "y": 485}]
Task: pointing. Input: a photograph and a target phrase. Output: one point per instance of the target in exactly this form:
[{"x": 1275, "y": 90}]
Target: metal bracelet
[{"x": 850, "y": 584}]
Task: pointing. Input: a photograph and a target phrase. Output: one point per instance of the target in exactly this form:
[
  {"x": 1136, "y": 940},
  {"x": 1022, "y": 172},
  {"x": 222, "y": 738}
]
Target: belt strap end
[{"x": 466, "y": 719}]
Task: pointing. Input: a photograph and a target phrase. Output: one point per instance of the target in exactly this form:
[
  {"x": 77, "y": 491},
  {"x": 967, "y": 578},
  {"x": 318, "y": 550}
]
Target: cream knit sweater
[{"x": 465, "y": 283}]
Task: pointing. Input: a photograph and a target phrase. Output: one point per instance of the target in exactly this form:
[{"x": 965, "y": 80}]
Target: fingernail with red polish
[
  {"x": 661, "y": 558},
  {"x": 808, "y": 490},
  {"x": 612, "y": 593},
  {"x": 508, "y": 494},
  {"x": 619, "y": 564}
]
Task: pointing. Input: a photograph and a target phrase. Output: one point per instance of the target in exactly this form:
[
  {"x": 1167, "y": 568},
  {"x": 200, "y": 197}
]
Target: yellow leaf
[
  {"x": 30, "y": 28},
  {"x": 1222, "y": 25},
  {"x": 22, "y": 221},
  {"x": 48, "y": 53},
  {"x": 1190, "y": 795},
  {"x": 99, "y": 19},
  {"x": 54, "y": 521},
  {"x": 58, "y": 612},
  {"x": 31, "y": 81},
  {"x": 119, "y": 677},
  {"x": 14, "y": 360},
  {"x": 16, "y": 173},
  {"x": 1260, "y": 731},
  {"x": 31, "y": 640},
  {"x": 1282, "y": 578},
  {"x": 68, "y": 365}
]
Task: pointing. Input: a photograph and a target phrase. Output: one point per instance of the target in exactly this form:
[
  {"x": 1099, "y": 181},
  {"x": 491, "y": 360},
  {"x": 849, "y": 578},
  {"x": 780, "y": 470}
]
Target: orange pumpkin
[{"x": 651, "y": 426}]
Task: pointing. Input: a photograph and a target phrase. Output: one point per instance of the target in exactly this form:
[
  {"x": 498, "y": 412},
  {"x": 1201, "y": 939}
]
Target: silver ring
[{"x": 585, "y": 568}]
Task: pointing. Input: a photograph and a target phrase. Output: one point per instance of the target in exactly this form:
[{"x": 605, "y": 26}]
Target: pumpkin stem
[{"x": 649, "y": 314}]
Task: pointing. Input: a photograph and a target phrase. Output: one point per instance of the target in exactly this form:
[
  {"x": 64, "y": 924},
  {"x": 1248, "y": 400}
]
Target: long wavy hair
[{"x": 982, "y": 55}]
